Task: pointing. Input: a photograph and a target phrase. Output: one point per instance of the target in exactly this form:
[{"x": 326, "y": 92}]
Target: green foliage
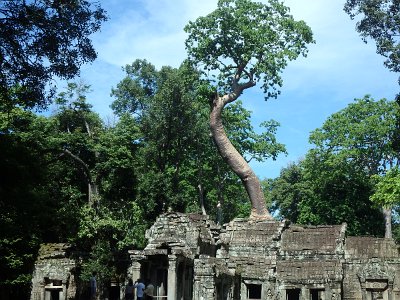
[
  {"x": 48, "y": 166},
  {"x": 317, "y": 191},
  {"x": 340, "y": 193},
  {"x": 288, "y": 191},
  {"x": 24, "y": 221},
  {"x": 247, "y": 38},
  {"x": 334, "y": 182},
  {"x": 379, "y": 21},
  {"x": 362, "y": 133},
  {"x": 39, "y": 40},
  {"x": 387, "y": 189},
  {"x": 242, "y": 135},
  {"x": 176, "y": 157}
]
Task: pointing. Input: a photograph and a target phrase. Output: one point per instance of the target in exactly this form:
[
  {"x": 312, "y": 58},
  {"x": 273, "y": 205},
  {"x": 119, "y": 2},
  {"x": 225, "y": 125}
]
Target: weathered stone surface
[
  {"x": 314, "y": 239},
  {"x": 370, "y": 247},
  {"x": 190, "y": 257},
  {"x": 192, "y": 234},
  {"x": 54, "y": 273}
]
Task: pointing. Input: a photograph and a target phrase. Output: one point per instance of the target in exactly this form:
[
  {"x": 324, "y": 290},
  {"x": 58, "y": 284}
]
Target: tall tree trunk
[
  {"x": 93, "y": 190},
  {"x": 201, "y": 197},
  {"x": 387, "y": 213},
  {"x": 235, "y": 160}
]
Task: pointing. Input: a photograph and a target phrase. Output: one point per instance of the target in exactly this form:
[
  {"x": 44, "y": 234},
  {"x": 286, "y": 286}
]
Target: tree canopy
[
  {"x": 39, "y": 40},
  {"x": 337, "y": 178},
  {"x": 362, "y": 133},
  {"x": 380, "y": 21},
  {"x": 239, "y": 44},
  {"x": 180, "y": 166},
  {"x": 246, "y": 42}
]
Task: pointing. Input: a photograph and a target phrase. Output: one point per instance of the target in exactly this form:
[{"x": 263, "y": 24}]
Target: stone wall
[
  {"x": 189, "y": 257},
  {"x": 54, "y": 277},
  {"x": 278, "y": 260},
  {"x": 371, "y": 269}
]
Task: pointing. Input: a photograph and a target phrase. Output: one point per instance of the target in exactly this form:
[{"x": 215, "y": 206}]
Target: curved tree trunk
[{"x": 235, "y": 159}]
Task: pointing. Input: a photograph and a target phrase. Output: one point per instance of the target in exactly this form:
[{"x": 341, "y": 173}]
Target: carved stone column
[
  {"x": 135, "y": 270},
  {"x": 363, "y": 290},
  {"x": 390, "y": 290},
  {"x": 63, "y": 293},
  {"x": 171, "y": 293},
  {"x": 136, "y": 257},
  {"x": 305, "y": 293}
]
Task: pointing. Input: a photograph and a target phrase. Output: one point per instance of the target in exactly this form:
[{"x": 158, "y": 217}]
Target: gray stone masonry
[
  {"x": 189, "y": 257},
  {"x": 53, "y": 276}
]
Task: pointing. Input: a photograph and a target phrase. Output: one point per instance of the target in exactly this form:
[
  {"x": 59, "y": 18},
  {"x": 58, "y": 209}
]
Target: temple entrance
[
  {"x": 293, "y": 294},
  {"x": 254, "y": 291},
  {"x": 161, "y": 283},
  {"x": 317, "y": 294},
  {"x": 53, "y": 294},
  {"x": 377, "y": 289}
]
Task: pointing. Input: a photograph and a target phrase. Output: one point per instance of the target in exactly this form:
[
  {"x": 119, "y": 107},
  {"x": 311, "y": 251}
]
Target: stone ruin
[
  {"x": 54, "y": 274},
  {"x": 190, "y": 257}
]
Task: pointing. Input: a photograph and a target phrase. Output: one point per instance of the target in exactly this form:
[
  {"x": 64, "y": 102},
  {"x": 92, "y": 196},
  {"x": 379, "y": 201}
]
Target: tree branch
[{"x": 81, "y": 163}]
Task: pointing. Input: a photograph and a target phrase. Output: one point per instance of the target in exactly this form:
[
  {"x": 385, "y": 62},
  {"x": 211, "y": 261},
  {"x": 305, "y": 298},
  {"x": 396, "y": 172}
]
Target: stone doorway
[
  {"x": 317, "y": 294},
  {"x": 53, "y": 294},
  {"x": 254, "y": 291},
  {"x": 293, "y": 294}
]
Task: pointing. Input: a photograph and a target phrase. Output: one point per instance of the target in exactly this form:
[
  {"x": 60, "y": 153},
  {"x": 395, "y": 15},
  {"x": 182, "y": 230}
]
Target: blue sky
[{"x": 339, "y": 66}]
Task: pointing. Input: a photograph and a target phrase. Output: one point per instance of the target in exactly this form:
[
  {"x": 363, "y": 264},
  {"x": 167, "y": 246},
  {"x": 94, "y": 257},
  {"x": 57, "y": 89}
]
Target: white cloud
[{"x": 150, "y": 29}]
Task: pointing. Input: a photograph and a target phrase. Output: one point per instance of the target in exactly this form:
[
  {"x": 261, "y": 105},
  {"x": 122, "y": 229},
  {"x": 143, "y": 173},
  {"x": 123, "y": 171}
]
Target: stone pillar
[
  {"x": 243, "y": 290},
  {"x": 363, "y": 289},
  {"x": 304, "y": 293},
  {"x": 136, "y": 257},
  {"x": 280, "y": 293},
  {"x": 63, "y": 293},
  {"x": 171, "y": 287},
  {"x": 43, "y": 292},
  {"x": 47, "y": 295},
  {"x": 135, "y": 270},
  {"x": 390, "y": 290}
]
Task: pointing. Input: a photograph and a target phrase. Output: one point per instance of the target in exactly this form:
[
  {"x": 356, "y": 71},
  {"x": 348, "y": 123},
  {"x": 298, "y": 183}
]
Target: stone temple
[{"x": 190, "y": 257}]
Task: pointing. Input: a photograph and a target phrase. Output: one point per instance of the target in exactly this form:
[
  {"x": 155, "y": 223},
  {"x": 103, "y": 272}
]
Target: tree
[
  {"x": 39, "y": 40},
  {"x": 337, "y": 178},
  {"x": 321, "y": 190},
  {"x": 340, "y": 193},
  {"x": 387, "y": 188},
  {"x": 386, "y": 194},
  {"x": 361, "y": 134},
  {"x": 178, "y": 166},
  {"x": 23, "y": 219},
  {"x": 160, "y": 102},
  {"x": 50, "y": 169},
  {"x": 287, "y": 192},
  {"x": 242, "y": 43},
  {"x": 380, "y": 21}
]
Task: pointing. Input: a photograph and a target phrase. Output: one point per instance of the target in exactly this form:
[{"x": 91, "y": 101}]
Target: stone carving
[{"x": 190, "y": 257}]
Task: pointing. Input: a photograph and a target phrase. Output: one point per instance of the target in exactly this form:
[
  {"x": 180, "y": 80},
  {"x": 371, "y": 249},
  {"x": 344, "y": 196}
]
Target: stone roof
[
  {"x": 187, "y": 234},
  {"x": 321, "y": 239},
  {"x": 308, "y": 270},
  {"x": 246, "y": 239},
  {"x": 364, "y": 247},
  {"x": 54, "y": 250}
]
